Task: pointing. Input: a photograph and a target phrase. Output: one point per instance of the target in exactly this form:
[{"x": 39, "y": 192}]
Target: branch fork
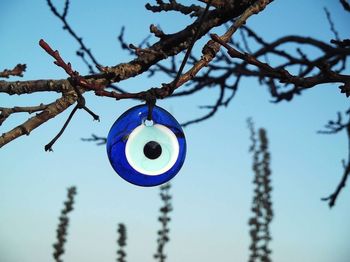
[{"x": 76, "y": 81}]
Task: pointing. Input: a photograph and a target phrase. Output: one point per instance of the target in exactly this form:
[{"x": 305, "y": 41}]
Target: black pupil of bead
[{"x": 152, "y": 150}]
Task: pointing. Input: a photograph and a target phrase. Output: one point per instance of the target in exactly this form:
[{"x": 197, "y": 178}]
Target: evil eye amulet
[{"x": 146, "y": 153}]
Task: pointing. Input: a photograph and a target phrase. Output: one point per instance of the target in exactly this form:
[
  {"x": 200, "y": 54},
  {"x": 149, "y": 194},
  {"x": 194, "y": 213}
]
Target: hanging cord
[
  {"x": 151, "y": 98},
  {"x": 151, "y": 102},
  {"x": 194, "y": 39}
]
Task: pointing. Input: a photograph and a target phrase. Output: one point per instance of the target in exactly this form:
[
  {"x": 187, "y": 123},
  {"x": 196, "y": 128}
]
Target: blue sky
[{"x": 213, "y": 191}]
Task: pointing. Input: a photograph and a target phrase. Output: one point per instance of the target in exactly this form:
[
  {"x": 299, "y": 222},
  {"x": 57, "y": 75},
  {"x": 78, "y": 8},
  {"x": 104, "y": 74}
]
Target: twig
[
  {"x": 331, "y": 24},
  {"x": 345, "y": 4},
  {"x": 334, "y": 127},
  {"x": 94, "y": 138},
  {"x": 6, "y": 112},
  {"x": 188, "y": 52},
  {"x": 67, "y": 27},
  {"x": 213, "y": 110},
  {"x": 193, "y": 10},
  {"x": 80, "y": 105},
  {"x": 341, "y": 43},
  {"x": 50, "y": 112},
  {"x": 332, "y": 198},
  {"x": 76, "y": 80},
  {"x": 83, "y": 49},
  {"x": 16, "y": 71},
  {"x": 48, "y": 147},
  {"x": 284, "y": 76}
]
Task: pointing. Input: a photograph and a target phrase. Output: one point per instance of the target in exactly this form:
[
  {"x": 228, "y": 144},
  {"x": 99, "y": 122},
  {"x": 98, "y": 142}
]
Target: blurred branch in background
[
  {"x": 262, "y": 203},
  {"x": 97, "y": 139},
  {"x": 164, "y": 219},
  {"x": 16, "y": 71},
  {"x": 334, "y": 127},
  {"x": 61, "y": 232},
  {"x": 346, "y": 4},
  {"x": 121, "y": 243},
  {"x": 163, "y": 233}
]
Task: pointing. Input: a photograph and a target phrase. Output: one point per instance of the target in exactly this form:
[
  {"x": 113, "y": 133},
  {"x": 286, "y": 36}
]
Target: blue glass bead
[{"x": 144, "y": 153}]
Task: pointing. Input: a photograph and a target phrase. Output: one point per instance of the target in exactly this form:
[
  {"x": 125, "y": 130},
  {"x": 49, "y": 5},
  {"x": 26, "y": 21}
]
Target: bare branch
[
  {"x": 194, "y": 10},
  {"x": 76, "y": 79},
  {"x": 16, "y": 71},
  {"x": 6, "y": 112},
  {"x": 341, "y": 43},
  {"x": 51, "y": 111},
  {"x": 326, "y": 75},
  {"x": 332, "y": 198},
  {"x": 48, "y": 147},
  {"x": 345, "y": 4},
  {"x": 334, "y": 127},
  {"x": 67, "y": 27},
  {"x": 94, "y": 138},
  {"x": 33, "y": 86},
  {"x": 213, "y": 110},
  {"x": 203, "y": 73},
  {"x": 157, "y": 31},
  {"x": 331, "y": 24}
]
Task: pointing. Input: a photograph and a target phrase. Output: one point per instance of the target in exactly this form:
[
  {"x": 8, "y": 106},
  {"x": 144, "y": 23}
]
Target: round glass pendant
[{"x": 146, "y": 153}]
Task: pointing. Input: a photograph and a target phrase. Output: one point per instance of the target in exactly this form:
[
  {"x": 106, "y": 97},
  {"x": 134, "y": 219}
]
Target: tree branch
[
  {"x": 71, "y": 88},
  {"x": 334, "y": 127},
  {"x": 48, "y": 113},
  {"x": 326, "y": 75},
  {"x": 6, "y": 112},
  {"x": 16, "y": 71},
  {"x": 345, "y": 4},
  {"x": 217, "y": 68}
]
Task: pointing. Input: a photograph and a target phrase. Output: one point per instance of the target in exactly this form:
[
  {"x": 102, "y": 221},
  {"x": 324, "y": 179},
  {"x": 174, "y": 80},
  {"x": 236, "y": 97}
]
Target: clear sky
[{"x": 212, "y": 193}]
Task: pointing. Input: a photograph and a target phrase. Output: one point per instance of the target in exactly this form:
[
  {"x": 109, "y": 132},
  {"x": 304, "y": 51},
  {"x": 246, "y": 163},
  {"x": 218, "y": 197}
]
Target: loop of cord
[{"x": 151, "y": 102}]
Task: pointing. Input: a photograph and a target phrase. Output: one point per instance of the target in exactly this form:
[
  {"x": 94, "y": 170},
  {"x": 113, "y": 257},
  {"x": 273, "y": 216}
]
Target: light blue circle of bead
[{"x": 140, "y": 137}]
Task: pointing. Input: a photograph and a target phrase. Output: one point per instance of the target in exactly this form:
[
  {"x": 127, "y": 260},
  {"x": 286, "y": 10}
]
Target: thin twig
[
  {"x": 331, "y": 24},
  {"x": 346, "y": 5},
  {"x": 188, "y": 52},
  {"x": 94, "y": 138},
  {"x": 334, "y": 127},
  {"x": 16, "y": 71},
  {"x": 6, "y": 112},
  {"x": 66, "y": 26},
  {"x": 284, "y": 76},
  {"x": 48, "y": 147}
]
